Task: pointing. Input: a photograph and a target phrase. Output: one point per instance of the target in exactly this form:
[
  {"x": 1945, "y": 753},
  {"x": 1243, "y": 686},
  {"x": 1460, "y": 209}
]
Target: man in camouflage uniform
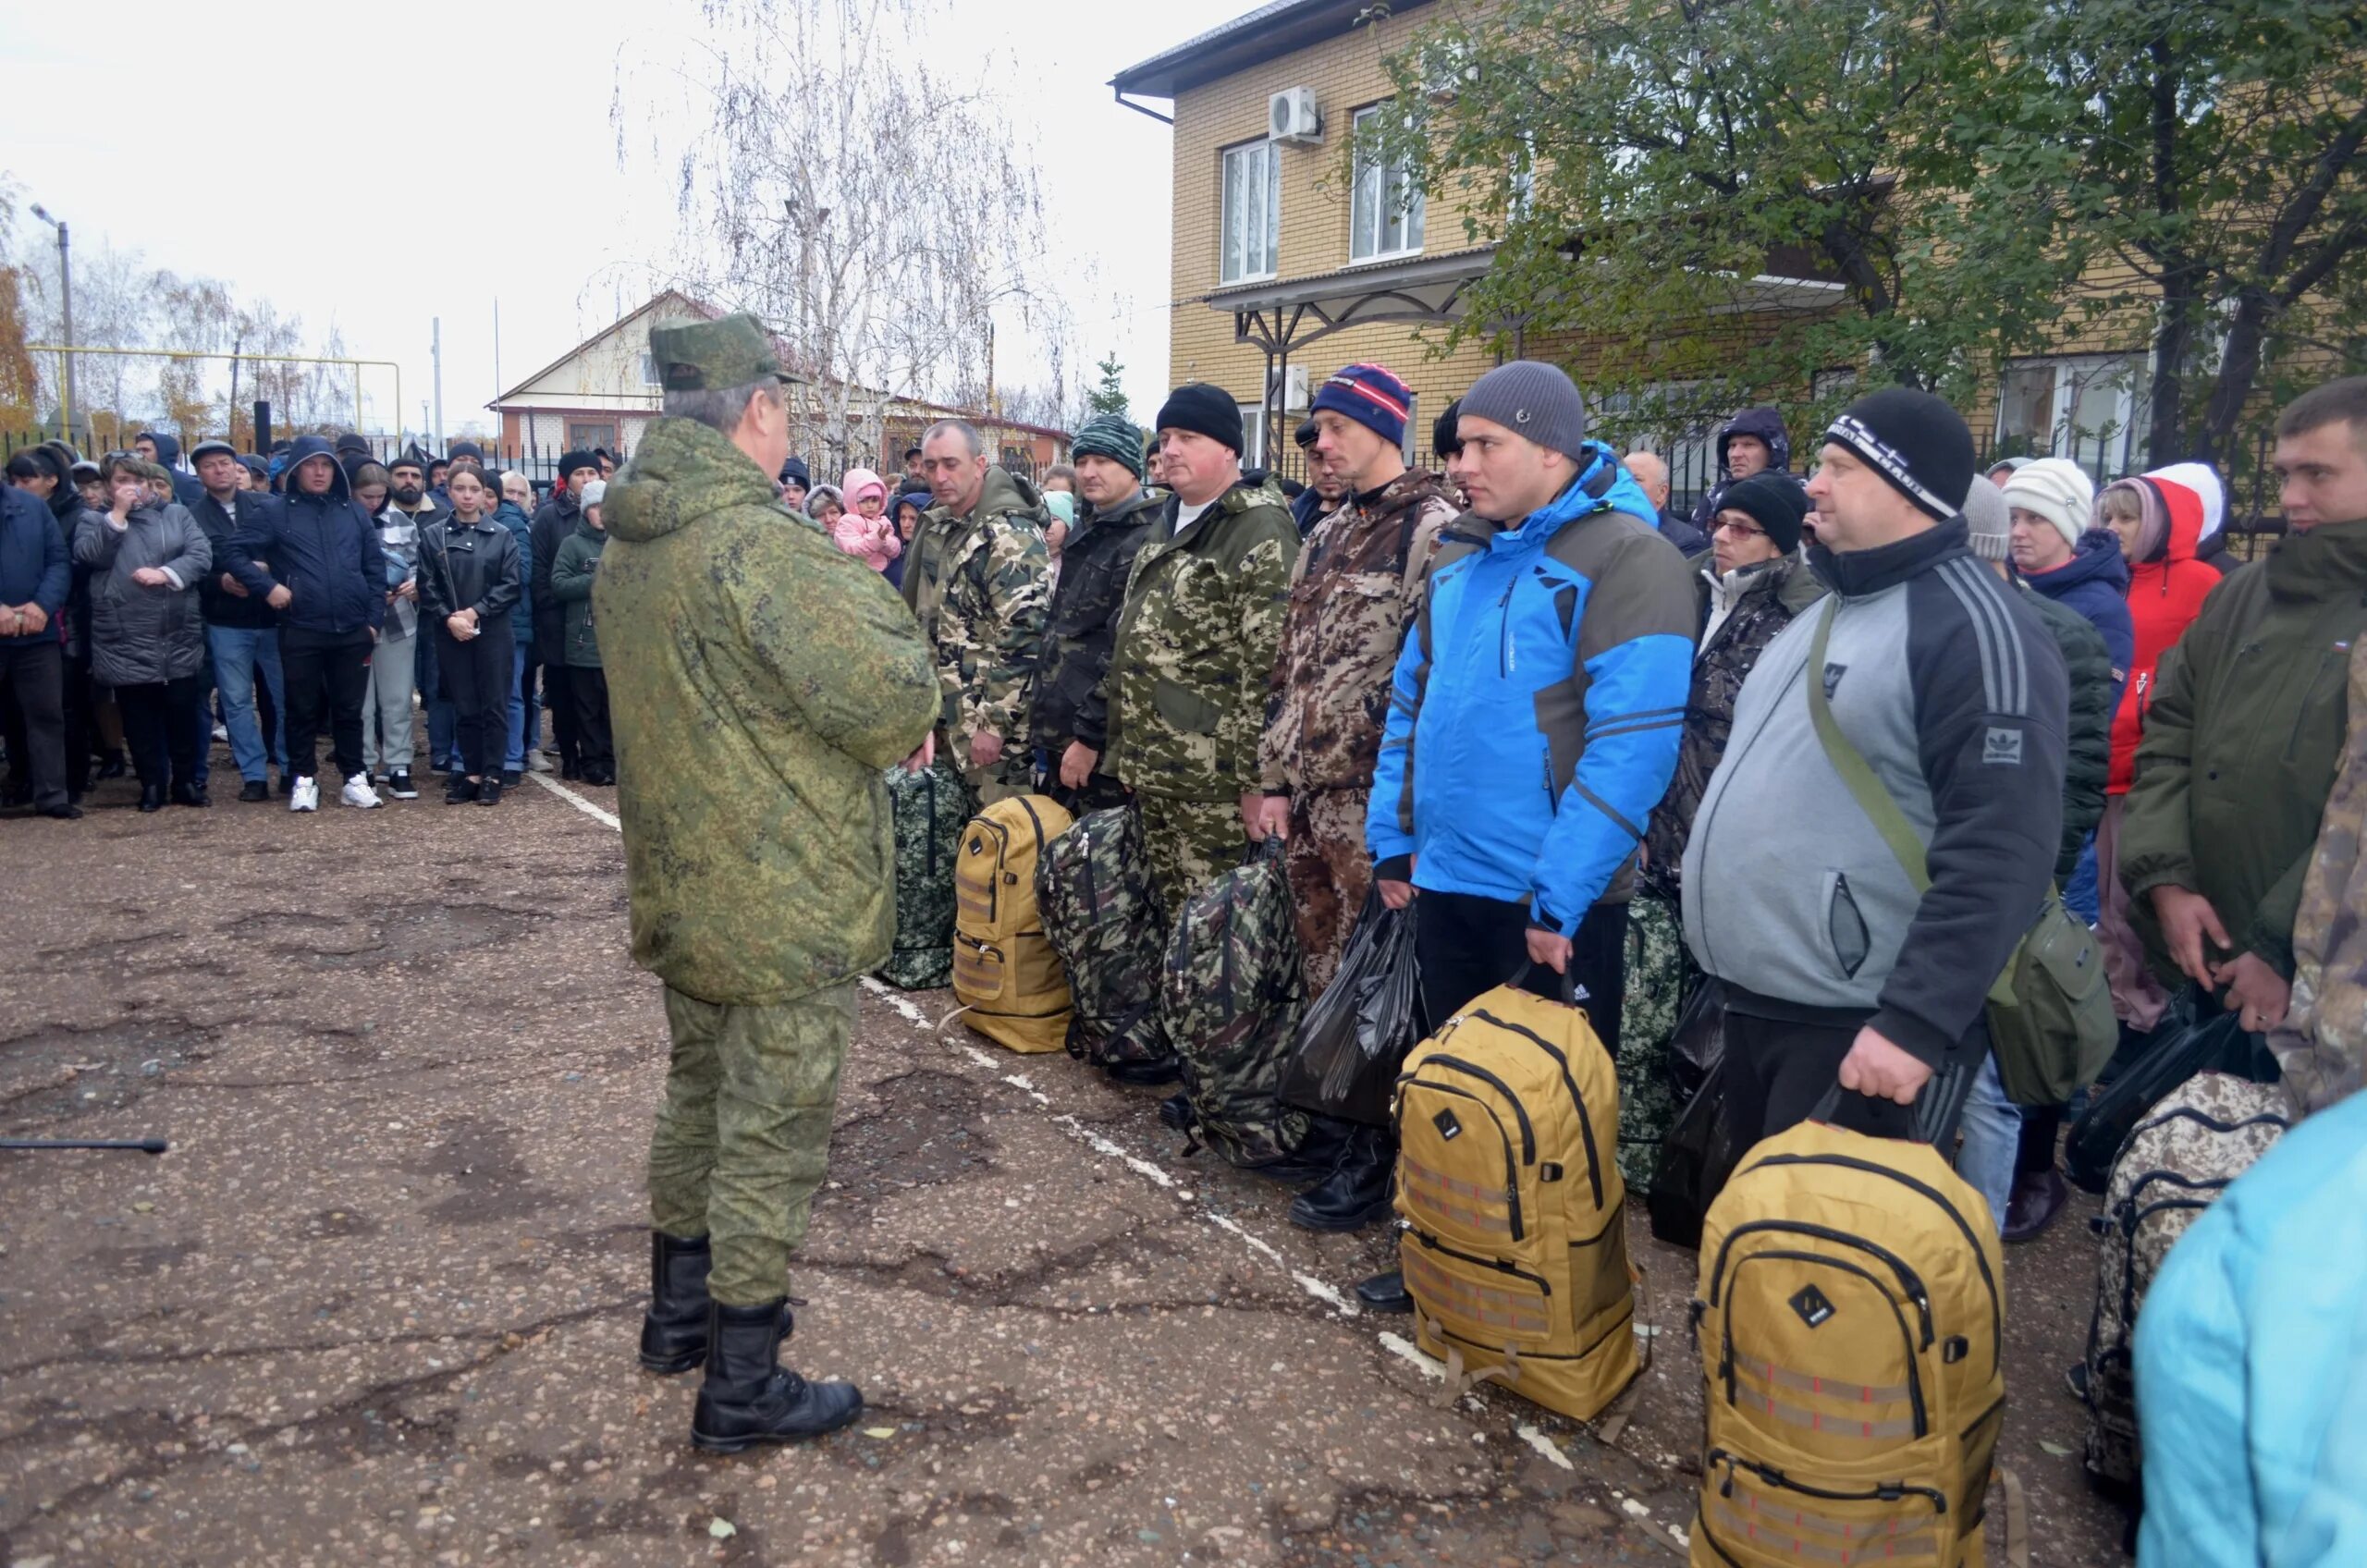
[
  {"x": 979, "y": 579},
  {"x": 1071, "y": 721},
  {"x": 1186, "y": 687},
  {"x": 760, "y": 681}
]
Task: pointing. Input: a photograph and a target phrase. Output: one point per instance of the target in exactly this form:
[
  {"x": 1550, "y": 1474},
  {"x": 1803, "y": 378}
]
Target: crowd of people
[{"x": 272, "y": 601}]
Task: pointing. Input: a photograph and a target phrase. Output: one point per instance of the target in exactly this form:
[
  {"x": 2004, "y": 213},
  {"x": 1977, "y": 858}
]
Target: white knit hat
[
  {"x": 2057, "y": 490},
  {"x": 595, "y": 491}
]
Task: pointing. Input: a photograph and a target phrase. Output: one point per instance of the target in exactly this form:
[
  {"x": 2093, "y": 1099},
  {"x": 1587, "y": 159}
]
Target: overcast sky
[{"x": 334, "y": 163}]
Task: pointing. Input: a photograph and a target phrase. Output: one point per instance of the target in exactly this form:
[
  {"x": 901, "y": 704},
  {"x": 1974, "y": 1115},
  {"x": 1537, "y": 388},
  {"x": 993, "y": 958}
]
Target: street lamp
[{"x": 65, "y": 297}]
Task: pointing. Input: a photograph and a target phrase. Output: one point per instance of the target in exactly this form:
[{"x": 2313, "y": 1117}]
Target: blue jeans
[
  {"x": 440, "y": 717},
  {"x": 514, "y": 759},
  {"x": 239, "y": 652},
  {"x": 201, "y": 713},
  {"x": 1992, "y": 1131},
  {"x": 2080, "y": 895}
]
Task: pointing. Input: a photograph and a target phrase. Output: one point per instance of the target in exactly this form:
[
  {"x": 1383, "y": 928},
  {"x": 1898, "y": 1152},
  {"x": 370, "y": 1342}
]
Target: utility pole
[
  {"x": 435, "y": 348},
  {"x": 230, "y": 409},
  {"x": 66, "y": 299}
]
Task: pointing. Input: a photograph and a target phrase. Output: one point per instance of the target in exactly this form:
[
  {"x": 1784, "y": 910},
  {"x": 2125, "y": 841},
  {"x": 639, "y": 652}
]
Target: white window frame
[
  {"x": 1241, "y": 258},
  {"x": 2075, "y": 375},
  {"x": 1255, "y": 422},
  {"x": 1373, "y": 192},
  {"x": 649, "y": 376}
]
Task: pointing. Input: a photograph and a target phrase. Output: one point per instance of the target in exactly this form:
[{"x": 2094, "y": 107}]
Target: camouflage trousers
[
  {"x": 1188, "y": 845},
  {"x": 1330, "y": 875},
  {"x": 743, "y": 1135},
  {"x": 1658, "y": 970}
]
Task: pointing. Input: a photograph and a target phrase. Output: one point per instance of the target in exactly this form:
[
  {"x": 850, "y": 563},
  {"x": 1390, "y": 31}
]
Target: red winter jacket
[{"x": 2165, "y": 592}]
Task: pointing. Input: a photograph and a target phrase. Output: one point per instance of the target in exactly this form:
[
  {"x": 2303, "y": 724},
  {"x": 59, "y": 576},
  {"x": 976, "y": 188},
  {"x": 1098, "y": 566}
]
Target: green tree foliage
[
  {"x": 2196, "y": 171},
  {"x": 1646, "y": 166},
  {"x": 1109, "y": 397}
]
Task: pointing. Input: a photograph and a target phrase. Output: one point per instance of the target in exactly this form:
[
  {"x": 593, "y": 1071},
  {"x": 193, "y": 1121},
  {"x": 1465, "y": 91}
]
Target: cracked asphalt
[{"x": 379, "y": 1302}]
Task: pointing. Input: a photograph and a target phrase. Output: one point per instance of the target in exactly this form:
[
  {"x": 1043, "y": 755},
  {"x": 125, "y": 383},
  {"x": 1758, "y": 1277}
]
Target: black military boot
[
  {"x": 749, "y": 1397},
  {"x": 1385, "y": 1293},
  {"x": 673, "y": 1332},
  {"x": 1357, "y": 1193}
]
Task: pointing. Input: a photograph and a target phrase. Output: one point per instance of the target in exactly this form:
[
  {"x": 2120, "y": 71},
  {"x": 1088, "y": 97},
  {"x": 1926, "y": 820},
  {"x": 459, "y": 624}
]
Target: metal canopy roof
[{"x": 1286, "y": 315}]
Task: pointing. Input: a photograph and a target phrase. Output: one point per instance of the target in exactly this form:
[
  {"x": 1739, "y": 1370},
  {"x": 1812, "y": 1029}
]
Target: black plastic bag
[
  {"x": 1698, "y": 1042},
  {"x": 1696, "y": 1156},
  {"x": 1353, "y": 1040},
  {"x": 2184, "y": 1045}
]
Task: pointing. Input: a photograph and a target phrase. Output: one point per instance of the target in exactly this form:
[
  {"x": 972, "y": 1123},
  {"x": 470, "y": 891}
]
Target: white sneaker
[
  {"x": 538, "y": 763},
  {"x": 221, "y": 733},
  {"x": 358, "y": 792},
  {"x": 306, "y": 796}
]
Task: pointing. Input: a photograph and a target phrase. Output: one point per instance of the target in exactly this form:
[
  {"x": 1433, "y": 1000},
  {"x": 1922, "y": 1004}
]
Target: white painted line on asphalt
[
  {"x": 578, "y": 801},
  {"x": 1543, "y": 1445},
  {"x": 1404, "y": 1350}
]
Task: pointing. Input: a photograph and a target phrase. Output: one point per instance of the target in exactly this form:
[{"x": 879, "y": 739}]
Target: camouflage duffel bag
[
  {"x": 1093, "y": 895},
  {"x": 1231, "y": 997},
  {"x": 928, "y": 809},
  {"x": 2174, "y": 1164}
]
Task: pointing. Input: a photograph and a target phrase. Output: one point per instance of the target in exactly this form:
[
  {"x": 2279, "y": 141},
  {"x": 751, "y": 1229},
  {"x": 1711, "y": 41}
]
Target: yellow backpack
[
  {"x": 1005, "y": 972},
  {"x": 1516, "y": 1251},
  {"x": 1850, "y": 1322}
]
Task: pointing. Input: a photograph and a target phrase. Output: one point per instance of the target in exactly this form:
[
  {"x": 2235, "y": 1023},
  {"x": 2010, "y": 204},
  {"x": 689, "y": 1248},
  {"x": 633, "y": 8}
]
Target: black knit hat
[
  {"x": 1772, "y": 500},
  {"x": 1446, "y": 436},
  {"x": 1204, "y": 410},
  {"x": 572, "y": 462},
  {"x": 1915, "y": 441}
]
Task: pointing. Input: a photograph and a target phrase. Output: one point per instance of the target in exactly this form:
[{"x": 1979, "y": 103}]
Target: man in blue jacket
[
  {"x": 328, "y": 579},
  {"x": 1536, "y": 708},
  {"x": 35, "y": 574}
]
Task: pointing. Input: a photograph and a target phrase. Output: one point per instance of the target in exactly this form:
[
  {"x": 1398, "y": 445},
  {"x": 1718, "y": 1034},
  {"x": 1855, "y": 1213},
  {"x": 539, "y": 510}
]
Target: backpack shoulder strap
[{"x": 1856, "y": 772}]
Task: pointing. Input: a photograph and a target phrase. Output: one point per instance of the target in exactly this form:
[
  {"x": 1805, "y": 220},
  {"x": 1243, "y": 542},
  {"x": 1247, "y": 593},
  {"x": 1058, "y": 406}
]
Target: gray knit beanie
[
  {"x": 1990, "y": 520},
  {"x": 1534, "y": 400}
]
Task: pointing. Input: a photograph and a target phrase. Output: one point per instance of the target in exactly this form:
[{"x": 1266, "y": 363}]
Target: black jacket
[
  {"x": 251, "y": 613},
  {"x": 554, "y": 520},
  {"x": 1083, "y": 625},
  {"x": 468, "y": 566},
  {"x": 1768, "y": 426},
  {"x": 2087, "y": 738},
  {"x": 324, "y": 548}
]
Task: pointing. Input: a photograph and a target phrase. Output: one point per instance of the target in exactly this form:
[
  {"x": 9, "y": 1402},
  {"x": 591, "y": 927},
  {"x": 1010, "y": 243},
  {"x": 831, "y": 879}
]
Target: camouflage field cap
[{"x": 709, "y": 356}]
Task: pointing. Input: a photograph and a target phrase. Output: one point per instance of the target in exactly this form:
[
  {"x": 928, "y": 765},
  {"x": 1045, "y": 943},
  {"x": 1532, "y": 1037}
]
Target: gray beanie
[
  {"x": 1990, "y": 520},
  {"x": 1532, "y": 399}
]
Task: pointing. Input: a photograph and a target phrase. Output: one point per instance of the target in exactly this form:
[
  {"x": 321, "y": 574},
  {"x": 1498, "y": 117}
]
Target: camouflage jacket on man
[
  {"x": 980, "y": 586},
  {"x": 2322, "y": 1046},
  {"x": 1187, "y": 683},
  {"x": 1355, "y": 588},
  {"x": 759, "y": 681}
]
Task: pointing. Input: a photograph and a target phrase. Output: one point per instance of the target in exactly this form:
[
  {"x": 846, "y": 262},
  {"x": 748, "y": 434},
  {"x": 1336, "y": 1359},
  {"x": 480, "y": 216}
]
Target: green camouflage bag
[
  {"x": 1093, "y": 895},
  {"x": 1231, "y": 998},
  {"x": 928, "y": 809}
]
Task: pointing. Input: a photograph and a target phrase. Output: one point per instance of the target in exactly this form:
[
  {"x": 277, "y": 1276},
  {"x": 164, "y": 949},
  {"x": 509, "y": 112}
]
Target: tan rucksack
[
  {"x": 1516, "y": 1251},
  {"x": 1005, "y": 972}
]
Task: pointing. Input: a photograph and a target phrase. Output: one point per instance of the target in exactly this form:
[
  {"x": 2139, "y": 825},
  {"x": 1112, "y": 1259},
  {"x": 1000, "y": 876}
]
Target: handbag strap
[{"x": 1856, "y": 772}]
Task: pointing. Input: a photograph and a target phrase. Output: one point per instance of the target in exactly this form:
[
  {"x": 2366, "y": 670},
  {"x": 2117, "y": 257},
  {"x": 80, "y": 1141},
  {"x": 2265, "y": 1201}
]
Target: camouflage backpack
[
  {"x": 1093, "y": 895},
  {"x": 928, "y": 809},
  {"x": 1231, "y": 998},
  {"x": 2174, "y": 1164}
]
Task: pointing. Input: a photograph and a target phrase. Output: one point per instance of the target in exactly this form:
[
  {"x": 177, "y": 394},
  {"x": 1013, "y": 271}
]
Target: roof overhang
[
  {"x": 1285, "y": 315},
  {"x": 1267, "y": 33}
]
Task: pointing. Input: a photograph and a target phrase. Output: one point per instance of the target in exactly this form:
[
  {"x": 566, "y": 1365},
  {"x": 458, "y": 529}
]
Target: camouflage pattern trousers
[
  {"x": 1188, "y": 845},
  {"x": 1658, "y": 973},
  {"x": 1330, "y": 875},
  {"x": 745, "y": 1132}
]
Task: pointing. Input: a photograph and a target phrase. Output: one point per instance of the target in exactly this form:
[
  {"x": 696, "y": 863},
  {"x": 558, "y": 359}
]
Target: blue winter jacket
[
  {"x": 511, "y": 516},
  {"x": 325, "y": 548},
  {"x": 2252, "y": 1366},
  {"x": 1538, "y": 703},
  {"x": 35, "y": 567},
  {"x": 2094, "y": 582}
]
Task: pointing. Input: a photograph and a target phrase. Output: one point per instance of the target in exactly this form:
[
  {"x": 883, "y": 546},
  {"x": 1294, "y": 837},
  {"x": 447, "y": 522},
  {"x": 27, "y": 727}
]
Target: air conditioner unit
[
  {"x": 1291, "y": 115},
  {"x": 1296, "y": 391}
]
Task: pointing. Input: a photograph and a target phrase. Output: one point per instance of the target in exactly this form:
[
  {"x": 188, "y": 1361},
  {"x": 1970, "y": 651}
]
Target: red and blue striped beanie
[{"x": 1372, "y": 397}]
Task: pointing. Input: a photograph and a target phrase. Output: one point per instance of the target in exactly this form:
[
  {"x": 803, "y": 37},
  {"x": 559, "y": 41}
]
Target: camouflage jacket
[
  {"x": 980, "y": 585},
  {"x": 1187, "y": 683},
  {"x": 2322, "y": 1046},
  {"x": 1083, "y": 627},
  {"x": 1355, "y": 589},
  {"x": 759, "y": 680}
]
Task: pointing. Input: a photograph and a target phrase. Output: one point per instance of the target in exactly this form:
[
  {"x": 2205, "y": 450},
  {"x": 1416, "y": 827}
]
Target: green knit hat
[{"x": 1107, "y": 435}]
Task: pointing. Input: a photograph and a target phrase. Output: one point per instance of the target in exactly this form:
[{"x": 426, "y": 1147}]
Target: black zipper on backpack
[
  {"x": 1512, "y": 1179},
  {"x": 1997, "y": 1312},
  {"x": 1520, "y": 1111},
  {"x": 1887, "y": 1492},
  {"x": 1585, "y": 1127},
  {"x": 1906, "y": 1336},
  {"x": 1908, "y": 1277},
  {"x": 1544, "y": 1286}
]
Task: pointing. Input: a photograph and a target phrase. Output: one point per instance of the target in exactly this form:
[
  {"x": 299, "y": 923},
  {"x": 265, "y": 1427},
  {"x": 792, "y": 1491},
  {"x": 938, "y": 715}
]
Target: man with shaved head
[{"x": 1651, "y": 473}]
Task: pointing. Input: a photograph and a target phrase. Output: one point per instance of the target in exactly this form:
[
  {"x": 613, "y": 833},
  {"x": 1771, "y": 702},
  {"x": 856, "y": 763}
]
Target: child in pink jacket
[{"x": 863, "y": 529}]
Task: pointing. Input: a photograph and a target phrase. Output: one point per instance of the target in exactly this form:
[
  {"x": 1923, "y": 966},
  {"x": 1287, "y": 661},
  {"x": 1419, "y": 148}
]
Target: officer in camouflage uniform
[
  {"x": 1186, "y": 687},
  {"x": 2322, "y": 1045},
  {"x": 980, "y": 581},
  {"x": 760, "y": 681},
  {"x": 1354, "y": 591}
]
